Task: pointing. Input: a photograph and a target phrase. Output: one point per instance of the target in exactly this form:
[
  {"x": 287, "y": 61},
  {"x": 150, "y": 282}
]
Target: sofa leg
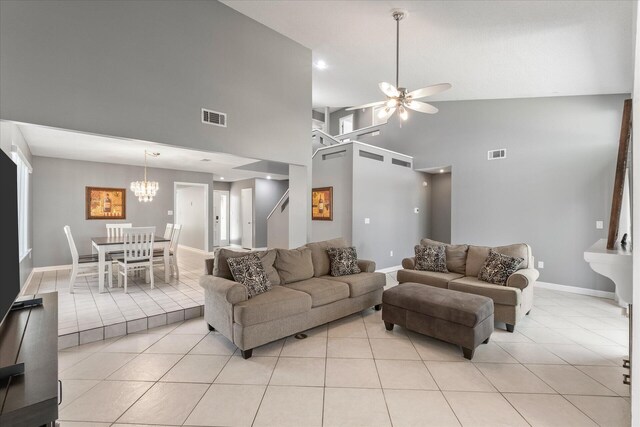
[
  {"x": 467, "y": 353},
  {"x": 246, "y": 353},
  {"x": 377, "y": 307},
  {"x": 211, "y": 328},
  {"x": 528, "y": 313},
  {"x": 388, "y": 325},
  {"x": 486, "y": 341},
  {"x": 510, "y": 328}
]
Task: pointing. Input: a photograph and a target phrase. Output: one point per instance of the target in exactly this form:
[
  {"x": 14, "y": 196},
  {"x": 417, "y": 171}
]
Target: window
[
  {"x": 346, "y": 124},
  {"x": 24, "y": 170}
]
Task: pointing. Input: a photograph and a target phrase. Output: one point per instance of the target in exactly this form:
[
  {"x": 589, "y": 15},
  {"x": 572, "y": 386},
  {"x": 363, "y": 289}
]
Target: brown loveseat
[
  {"x": 304, "y": 295},
  {"x": 511, "y": 302}
]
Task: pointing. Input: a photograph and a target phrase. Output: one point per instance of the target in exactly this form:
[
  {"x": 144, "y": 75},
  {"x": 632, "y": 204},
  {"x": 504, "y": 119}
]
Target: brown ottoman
[{"x": 451, "y": 316}]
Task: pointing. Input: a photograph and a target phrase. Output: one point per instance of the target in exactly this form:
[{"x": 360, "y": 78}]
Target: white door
[
  {"x": 220, "y": 218},
  {"x": 246, "y": 216}
]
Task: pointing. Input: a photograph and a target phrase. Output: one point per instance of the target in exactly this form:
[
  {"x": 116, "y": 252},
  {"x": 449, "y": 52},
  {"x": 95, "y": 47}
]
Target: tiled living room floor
[{"x": 561, "y": 367}]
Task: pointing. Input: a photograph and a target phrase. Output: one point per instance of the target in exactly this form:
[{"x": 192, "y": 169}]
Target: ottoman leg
[
  {"x": 510, "y": 328},
  {"x": 211, "y": 328},
  {"x": 377, "y": 307},
  {"x": 246, "y": 354},
  {"x": 486, "y": 341},
  {"x": 388, "y": 325},
  {"x": 467, "y": 353}
]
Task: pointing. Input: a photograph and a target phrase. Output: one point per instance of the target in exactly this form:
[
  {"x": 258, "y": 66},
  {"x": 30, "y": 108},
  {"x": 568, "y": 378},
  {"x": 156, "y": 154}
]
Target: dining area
[{"x": 125, "y": 251}]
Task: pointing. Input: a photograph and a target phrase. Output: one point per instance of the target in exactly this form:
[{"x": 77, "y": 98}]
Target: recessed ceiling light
[
  {"x": 321, "y": 65},
  {"x": 222, "y": 178},
  {"x": 441, "y": 170},
  {"x": 268, "y": 176}
]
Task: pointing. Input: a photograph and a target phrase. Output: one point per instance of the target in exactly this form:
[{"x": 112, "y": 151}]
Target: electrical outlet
[
  {"x": 599, "y": 225},
  {"x": 390, "y": 253},
  {"x": 540, "y": 264},
  {"x": 170, "y": 213},
  {"x": 367, "y": 221}
]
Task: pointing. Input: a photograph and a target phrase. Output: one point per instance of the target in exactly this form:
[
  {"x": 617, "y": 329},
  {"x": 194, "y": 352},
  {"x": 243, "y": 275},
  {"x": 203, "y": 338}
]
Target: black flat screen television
[{"x": 9, "y": 258}]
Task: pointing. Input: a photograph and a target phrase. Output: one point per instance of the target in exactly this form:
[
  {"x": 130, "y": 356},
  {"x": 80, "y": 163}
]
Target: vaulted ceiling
[{"x": 485, "y": 49}]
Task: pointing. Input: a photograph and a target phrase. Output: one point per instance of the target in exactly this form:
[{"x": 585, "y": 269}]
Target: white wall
[{"x": 190, "y": 213}]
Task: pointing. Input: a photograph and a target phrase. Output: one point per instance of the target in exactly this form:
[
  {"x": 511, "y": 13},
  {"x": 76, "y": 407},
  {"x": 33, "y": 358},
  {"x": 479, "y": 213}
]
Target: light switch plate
[
  {"x": 170, "y": 213},
  {"x": 599, "y": 225},
  {"x": 367, "y": 221},
  {"x": 540, "y": 264},
  {"x": 416, "y": 210}
]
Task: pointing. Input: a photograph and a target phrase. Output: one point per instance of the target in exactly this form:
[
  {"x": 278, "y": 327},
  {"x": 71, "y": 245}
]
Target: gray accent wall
[
  {"x": 10, "y": 135},
  {"x": 267, "y": 194},
  {"x": 440, "y": 220},
  {"x": 59, "y": 200},
  {"x": 144, "y": 69},
  {"x": 555, "y": 183}
]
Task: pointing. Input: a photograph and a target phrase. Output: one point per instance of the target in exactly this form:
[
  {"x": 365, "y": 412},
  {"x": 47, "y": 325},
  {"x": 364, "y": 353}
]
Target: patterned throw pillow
[
  {"x": 249, "y": 271},
  {"x": 431, "y": 258},
  {"x": 343, "y": 261},
  {"x": 498, "y": 267}
]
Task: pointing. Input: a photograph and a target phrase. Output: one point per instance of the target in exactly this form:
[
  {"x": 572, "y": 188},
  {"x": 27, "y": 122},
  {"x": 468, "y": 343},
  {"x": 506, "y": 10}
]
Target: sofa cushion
[
  {"x": 294, "y": 265},
  {"x": 456, "y": 255},
  {"x": 360, "y": 284},
  {"x": 498, "y": 267},
  {"x": 267, "y": 258},
  {"x": 322, "y": 291},
  {"x": 319, "y": 256},
  {"x": 249, "y": 272},
  {"x": 478, "y": 254},
  {"x": 499, "y": 294},
  {"x": 431, "y": 278},
  {"x": 278, "y": 303},
  {"x": 344, "y": 261},
  {"x": 431, "y": 258},
  {"x": 456, "y": 307}
]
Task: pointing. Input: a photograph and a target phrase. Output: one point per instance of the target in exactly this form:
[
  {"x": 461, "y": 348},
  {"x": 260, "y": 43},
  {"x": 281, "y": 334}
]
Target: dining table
[{"x": 103, "y": 245}]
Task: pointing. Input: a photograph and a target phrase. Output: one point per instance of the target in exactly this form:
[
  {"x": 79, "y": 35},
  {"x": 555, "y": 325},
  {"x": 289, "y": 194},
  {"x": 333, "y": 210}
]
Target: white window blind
[{"x": 24, "y": 170}]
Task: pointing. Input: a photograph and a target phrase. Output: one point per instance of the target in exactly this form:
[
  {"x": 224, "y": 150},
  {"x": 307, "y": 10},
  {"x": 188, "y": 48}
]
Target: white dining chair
[
  {"x": 168, "y": 231},
  {"x": 83, "y": 265},
  {"x": 115, "y": 230},
  {"x": 158, "y": 254},
  {"x": 138, "y": 253}
]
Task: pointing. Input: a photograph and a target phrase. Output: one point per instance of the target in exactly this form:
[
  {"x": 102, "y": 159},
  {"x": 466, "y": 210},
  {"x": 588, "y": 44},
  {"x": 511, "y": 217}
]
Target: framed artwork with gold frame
[
  {"x": 106, "y": 203},
  {"x": 322, "y": 204}
]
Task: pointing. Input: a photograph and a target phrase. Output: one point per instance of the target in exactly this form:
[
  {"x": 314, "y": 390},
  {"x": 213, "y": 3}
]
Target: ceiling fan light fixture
[{"x": 404, "y": 114}]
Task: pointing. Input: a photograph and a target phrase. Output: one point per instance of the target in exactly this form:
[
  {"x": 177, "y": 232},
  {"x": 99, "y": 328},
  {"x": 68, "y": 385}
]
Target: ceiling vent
[
  {"x": 215, "y": 118},
  {"x": 497, "y": 154}
]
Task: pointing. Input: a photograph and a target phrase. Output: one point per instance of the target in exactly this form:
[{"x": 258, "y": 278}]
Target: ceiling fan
[{"x": 397, "y": 97}]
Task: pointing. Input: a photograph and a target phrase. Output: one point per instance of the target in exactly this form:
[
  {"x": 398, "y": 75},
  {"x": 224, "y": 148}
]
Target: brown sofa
[
  {"x": 512, "y": 301},
  {"x": 304, "y": 295}
]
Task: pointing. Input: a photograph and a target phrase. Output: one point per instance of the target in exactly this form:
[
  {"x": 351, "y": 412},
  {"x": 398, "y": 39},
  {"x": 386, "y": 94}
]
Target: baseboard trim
[
  {"x": 576, "y": 290},
  {"x": 51, "y": 268},
  {"x": 25, "y": 285},
  {"x": 190, "y": 249},
  {"x": 390, "y": 269}
]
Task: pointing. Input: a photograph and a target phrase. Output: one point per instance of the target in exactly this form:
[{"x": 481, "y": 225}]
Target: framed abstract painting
[
  {"x": 106, "y": 203},
  {"x": 322, "y": 204}
]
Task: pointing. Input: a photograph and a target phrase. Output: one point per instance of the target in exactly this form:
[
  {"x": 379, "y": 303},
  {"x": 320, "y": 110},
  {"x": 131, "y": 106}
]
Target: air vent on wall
[
  {"x": 497, "y": 154},
  {"x": 214, "y": 118}
]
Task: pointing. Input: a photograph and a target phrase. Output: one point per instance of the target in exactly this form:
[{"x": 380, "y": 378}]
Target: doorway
[
  {"x": 191, "y": 210},
  {"x": 345, "y": 124},
  {"x": 220, "y": 218},
  {"x": 246, "y": 216},
  {"x": 441, "y": 206}
]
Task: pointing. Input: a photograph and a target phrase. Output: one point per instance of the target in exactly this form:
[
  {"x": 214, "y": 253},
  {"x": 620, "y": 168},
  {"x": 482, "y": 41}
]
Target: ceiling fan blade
[
  {"x": 388, "y": 89},
  {"x": 386, "y": 113},
  {"x": 429, "y": 90},
  {"x": 371, "y": 104},
  {"x": 422, "y": 107}
]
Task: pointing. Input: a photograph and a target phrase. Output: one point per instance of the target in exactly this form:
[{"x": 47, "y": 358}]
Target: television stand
[{"x": 29, "y": 359}]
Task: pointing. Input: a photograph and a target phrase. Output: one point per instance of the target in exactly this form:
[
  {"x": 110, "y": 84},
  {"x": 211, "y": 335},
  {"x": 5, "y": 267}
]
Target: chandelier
[{"x": 145, "y": 190}]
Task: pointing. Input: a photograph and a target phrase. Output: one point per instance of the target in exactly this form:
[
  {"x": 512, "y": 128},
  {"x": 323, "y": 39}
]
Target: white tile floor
[
  {"x": 87, "y": 315},
  {"x": 561, "y": 367}
]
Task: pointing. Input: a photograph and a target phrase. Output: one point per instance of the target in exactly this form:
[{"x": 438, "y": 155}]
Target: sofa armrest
[
  {"x": 409, "y": 263},
  {"x": 224, "y": 290},
  {"x": 523, "y": 278},
  {"x": 366, "y": 266}
]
